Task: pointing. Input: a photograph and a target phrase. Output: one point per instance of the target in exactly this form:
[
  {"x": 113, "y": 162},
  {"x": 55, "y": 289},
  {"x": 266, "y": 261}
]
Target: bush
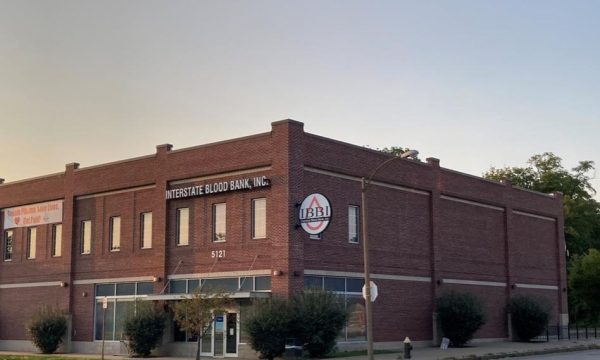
[
  {"x": 268, "y": 325},
  {"x": 144, "y": 328},
  {"x": 46, "y": 328},
  {"x": 319, "y": 317},
  {"x": 529, "y": 316},
  {"x": 460, "y": 315}
]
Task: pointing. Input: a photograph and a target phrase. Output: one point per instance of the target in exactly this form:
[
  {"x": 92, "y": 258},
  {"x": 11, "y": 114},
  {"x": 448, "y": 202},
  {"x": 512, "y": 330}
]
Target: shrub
[
  {"x": 319, "y": 317},
  {"x": 144, "y": 328},
  {"x": 268, "y": 325},
  {"x": 460, "y": 316},
  {"x": 529, "y": 316},
  {"x": 46, "y": 328}
]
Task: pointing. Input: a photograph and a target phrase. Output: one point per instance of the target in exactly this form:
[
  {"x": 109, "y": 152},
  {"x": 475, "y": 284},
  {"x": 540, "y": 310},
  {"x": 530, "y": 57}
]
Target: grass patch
[{"x": 349, "y": 353}]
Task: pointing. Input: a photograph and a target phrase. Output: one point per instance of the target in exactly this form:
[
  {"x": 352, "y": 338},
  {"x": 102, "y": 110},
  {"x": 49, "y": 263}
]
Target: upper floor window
[
  {"x": 114, "y": 242},
  {"x": 259, "y": 218},
  {"x": 31, "y": 242},
  {"x": 56, "y": 240},
  {"x": 8, "y": 245},
  {"x": 146, "y": 230},
  {"x": 183, "y": 226},
  {"x": 219, "y": 222},
  {"x": 86, "y": 236},
  {"x": 353, "y": 224}
]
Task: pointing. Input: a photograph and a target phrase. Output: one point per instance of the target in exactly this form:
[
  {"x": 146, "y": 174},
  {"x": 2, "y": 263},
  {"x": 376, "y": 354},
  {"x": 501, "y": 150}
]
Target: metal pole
[
  {"x": 368, "y": 303},
  {"x": 103, "y": 323}
]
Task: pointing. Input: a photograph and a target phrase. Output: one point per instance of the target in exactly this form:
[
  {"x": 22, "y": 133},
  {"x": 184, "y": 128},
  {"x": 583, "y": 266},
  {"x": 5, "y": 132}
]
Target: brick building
[{"x": 227, "y": 214}]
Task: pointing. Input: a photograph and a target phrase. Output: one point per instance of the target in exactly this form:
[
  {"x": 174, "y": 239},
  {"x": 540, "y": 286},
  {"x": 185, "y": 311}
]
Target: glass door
[
  {"x": 231, "y": 337},
  {"x": 219, "y": 336}
]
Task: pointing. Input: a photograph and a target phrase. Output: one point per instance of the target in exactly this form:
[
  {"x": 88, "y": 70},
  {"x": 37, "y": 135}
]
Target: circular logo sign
[{"x": 315, "y": 214}]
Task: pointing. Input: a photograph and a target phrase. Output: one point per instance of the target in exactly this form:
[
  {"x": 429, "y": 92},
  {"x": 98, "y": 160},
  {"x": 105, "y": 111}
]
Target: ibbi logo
[{"x": 315, "y": 214}]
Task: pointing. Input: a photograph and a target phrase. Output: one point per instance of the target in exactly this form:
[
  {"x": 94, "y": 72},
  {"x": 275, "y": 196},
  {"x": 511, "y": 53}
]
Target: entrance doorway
[{"x": 221, "y": 340}]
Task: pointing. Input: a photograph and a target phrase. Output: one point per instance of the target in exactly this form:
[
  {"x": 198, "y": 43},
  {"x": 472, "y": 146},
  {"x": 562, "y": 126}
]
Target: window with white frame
[
  {"x": 31, "y": 242},
  {"x": 114, "y": 242},
  {"x": 56, "y": 240},
  {"x": 183, "y": 226},
  {"x": 353, "y": 224},
  {"x": 146, "y": 230},
  {"x": 86, "y": 236},
  {"x": 259, "y": 218},
  {"x": 219, "y": 222},
  {"x": 122, "y": 300}
]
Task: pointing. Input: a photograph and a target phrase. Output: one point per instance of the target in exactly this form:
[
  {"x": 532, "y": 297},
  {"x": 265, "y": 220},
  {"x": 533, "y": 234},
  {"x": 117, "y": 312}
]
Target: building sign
[
  {"x": 33, "y": 215},
  {"x": 315, "y": 214},
  {"x": 218, "y": 187}
]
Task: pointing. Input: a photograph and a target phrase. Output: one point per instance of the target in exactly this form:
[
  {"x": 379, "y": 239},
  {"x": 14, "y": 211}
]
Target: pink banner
[{"x": 33, "y": 215}]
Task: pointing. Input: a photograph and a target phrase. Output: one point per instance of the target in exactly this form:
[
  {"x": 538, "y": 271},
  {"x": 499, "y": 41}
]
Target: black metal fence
[{"x": 575, "y": 332}]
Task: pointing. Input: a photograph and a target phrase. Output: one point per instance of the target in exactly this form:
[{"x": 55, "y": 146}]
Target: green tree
[
  {"x": 319, "y": 318},
  {"x": 197, "y": 313},
  {"x": 268, "y": 325},
  {"x": 584, "y": 285},
  {"x": 545, "y": 173},
  {"x": 529, "y": 316},
  {"x": 144, "y": 328},
  {"x": 460, "y": 316},
  {"x": 46, "y": 328}
]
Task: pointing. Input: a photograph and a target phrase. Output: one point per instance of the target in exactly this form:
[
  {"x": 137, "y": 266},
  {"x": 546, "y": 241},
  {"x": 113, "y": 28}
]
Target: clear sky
[{"x": 473, "y": 83}]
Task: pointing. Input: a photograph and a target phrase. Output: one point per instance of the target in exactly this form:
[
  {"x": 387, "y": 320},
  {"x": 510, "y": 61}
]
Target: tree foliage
[
  {"x": 144, "y": 328},
  {"x": 545, "y": 173},
  {"x": 319, "y": 318},
  {"x": 397, "y": 151},
  {"x": 46, "y": 328},
  {"x": 529, "y": 316},
  {"x": 460, "y": 316},
  {"x": 584, "y": 285},
  {"x": 196, "y": 313},
  {"x": 268, "y": 325}
]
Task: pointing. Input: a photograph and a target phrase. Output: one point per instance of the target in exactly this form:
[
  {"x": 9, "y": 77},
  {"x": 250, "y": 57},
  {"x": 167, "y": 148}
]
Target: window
[
  {"x": 56, "y": 240},
  {"x": 259, "y": 218},
  {"x": 114, "y": 242},
  {"x": 121, "y": 302},
  {"x": 31, "y": 242},
  {"x": 86, "y": 236},
  {"x": 219, "y": 222},
  {"x": 146, "y": 230},
  {"x": 183, "y": 226},
  {"x": 353, "y": 224},
  {"x": 8, "y": 245}
]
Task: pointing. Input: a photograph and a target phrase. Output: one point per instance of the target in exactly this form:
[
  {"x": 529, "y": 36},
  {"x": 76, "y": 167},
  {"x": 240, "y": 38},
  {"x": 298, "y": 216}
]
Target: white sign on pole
[
  {"x": 374, "y": 292},
  {"x": 105, "y": 302}
]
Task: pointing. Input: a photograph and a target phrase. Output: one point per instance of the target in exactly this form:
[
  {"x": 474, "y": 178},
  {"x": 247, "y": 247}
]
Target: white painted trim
[
  {"x": 469, "y": 202},
  {"x": 223, "y": 274},
  {"x": 113, "y": 280},
  {"x": 138, "y": 188},
  {"x": 28, "y": 285},
  {"x": 536, "y": 286},
  {"x": 358, "y": 179},
  {"x": 473, "y": 282},
  {"x": 534, "y": 216},
  {"x": 220, "y": 175},
  {"x": 373, "y": 276}
]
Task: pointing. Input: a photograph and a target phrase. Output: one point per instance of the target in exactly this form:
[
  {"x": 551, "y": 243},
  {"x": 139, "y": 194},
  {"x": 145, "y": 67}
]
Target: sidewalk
[{"x": 481, "y": 351}]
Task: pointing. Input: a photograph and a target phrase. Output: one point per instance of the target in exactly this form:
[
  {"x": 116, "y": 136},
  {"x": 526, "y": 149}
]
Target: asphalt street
[{"x": 576, "y": 355}]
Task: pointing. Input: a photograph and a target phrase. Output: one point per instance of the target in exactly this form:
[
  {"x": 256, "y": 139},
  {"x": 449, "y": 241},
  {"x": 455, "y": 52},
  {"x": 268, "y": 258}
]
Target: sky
[{"x": 473, "y": 83}]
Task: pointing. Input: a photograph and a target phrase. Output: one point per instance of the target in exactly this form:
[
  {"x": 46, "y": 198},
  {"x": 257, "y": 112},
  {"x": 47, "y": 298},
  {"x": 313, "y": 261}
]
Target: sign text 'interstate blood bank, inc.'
[{"x": 218, "y": 187}]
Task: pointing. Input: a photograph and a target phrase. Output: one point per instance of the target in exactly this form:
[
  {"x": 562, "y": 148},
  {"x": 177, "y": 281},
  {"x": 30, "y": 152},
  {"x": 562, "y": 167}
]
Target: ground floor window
[
  {"x": 121, "y": 300},
  {"x": 350, "y": 290}
]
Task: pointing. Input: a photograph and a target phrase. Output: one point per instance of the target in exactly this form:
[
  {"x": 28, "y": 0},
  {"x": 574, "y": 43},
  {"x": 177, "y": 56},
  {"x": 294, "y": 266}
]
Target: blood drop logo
[{"x": 315, "y": 214}]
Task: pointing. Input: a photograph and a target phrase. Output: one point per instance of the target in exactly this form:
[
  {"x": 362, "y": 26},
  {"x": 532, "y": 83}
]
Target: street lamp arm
[{"x": 409, "y": 153}]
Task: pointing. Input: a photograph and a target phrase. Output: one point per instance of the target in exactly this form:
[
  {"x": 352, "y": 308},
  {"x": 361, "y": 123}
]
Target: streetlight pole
[{"x": 365, "y": 182}]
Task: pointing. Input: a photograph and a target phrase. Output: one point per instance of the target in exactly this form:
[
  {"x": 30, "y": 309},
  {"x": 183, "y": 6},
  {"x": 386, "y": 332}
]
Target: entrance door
[
  {"x": 219, "y": 338},
  {"x": 231, "y": 337}
]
